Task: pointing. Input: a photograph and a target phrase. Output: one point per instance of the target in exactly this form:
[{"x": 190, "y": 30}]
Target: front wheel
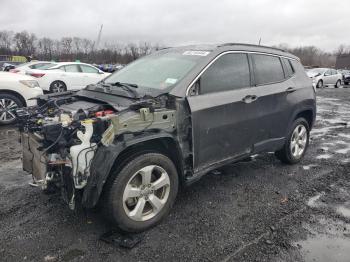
[
  {"x": 8, "y": 103},
  {"x": 319, "y": 84},
  {"x": 142, "y": 192},
  {"x": 296, "y": 143}
]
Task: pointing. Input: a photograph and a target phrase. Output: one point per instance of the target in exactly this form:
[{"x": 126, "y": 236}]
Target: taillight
[
  {"x": 37, "y": 75},
  {"x": 14, "y": 70}
]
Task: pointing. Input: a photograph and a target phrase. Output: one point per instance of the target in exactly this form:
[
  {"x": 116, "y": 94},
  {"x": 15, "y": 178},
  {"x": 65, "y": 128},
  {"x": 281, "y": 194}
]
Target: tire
[
  {"x": 121, "y": 209},
  {"x": 57, "y": 87},
  {"x": 346, "y": 83},
  {"x": 319, "y": 84},
  {"x": 338, "y": 84},
  {"x": 8, "y": 102},
  {"x": 286, "y": 154}
]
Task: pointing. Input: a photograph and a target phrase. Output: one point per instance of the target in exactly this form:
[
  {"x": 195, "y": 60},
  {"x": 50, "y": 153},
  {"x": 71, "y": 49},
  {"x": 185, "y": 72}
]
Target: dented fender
[{"x": 105, "y": 158}]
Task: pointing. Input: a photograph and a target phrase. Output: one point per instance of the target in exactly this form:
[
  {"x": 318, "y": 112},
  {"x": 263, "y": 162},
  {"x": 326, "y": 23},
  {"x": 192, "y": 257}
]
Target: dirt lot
[{"x": 260, "y": 210}]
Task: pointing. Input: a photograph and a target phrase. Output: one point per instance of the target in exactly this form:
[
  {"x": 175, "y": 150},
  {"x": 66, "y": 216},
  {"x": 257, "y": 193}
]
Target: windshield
[
  {"x": 316, "y": 71},
  {"x": 158, "y": 71}
]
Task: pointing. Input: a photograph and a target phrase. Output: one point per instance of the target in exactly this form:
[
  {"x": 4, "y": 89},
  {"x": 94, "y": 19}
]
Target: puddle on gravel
[
  {"x": 326, "y": 249},
  {"x": 329, "y": 241},
  {"x": 324, "y": 156},
  {"x": 312, "y": 200},
  {"x": 344, "y": 211}
]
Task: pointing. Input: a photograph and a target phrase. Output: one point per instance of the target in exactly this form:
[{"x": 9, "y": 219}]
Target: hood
[{"x": 313, "y": 74}]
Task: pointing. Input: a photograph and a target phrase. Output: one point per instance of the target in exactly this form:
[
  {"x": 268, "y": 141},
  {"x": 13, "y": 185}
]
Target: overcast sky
[{"x": 178, "y": 22}]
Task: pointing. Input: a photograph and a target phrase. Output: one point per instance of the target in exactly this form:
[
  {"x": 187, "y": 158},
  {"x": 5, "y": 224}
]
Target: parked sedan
[
  {"x": 16, "y": 91},
  {"x": 325, "y": 77},
  {"x": 67, "y": 76},
  {"x": 23, "y": 68}
]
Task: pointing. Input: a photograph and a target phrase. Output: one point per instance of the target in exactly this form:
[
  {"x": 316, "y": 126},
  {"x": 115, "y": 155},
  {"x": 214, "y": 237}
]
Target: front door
[
  {"x": 91, "y": 75},
  {"x": 223, "y": 111}
]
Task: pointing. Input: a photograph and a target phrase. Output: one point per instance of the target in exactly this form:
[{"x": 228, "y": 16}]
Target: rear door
[{"x": 223, "y": 111}]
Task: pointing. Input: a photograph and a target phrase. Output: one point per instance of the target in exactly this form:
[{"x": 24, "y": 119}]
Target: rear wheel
[
  {"x": 338, "y": 84},
  {"x": 57, "y": 87},
  {"x": 319, "y": 84},
  {"x": 8, "y": 103},
  {"x": 142, "y": 192},
  {"x": 296, "y": 143}
]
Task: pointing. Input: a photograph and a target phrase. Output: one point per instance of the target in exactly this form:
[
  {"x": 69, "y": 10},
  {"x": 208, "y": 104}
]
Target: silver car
[{"x": 322, "y": 77}]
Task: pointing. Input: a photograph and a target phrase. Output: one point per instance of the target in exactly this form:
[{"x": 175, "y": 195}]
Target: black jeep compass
[{"x": 129, "y": 142}]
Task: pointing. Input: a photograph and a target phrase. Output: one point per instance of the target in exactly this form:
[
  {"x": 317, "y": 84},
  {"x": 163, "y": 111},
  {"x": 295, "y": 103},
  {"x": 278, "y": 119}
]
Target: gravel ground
[{"x": 260, "y": 210}]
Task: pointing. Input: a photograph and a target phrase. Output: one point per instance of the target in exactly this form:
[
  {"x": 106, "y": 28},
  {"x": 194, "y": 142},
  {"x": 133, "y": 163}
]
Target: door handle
[
  {"x": 291, "y": 89},
  {"x": 249, "y": 99}
]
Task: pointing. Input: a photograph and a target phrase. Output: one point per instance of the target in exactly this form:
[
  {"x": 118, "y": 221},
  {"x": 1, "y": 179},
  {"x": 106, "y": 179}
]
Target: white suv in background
[
  {"x": 325, "y": 77},
  {"x": 67, "y": 76},
  {"x": 16, "y": 91}
]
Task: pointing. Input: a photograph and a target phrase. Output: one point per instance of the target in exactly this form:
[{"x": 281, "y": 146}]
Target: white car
[
  {"x": 325, "y": 77},
  {"x": 16, "y": 91},
  {"x": 67, "y": 76},
  {"x": 23, "y": 68}
]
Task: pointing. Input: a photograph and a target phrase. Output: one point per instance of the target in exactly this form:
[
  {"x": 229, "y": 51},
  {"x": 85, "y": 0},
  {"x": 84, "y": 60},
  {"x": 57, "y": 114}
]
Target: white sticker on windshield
[
  {"x": 200, "y": 53},
  {"x": 171, "y": 81}
]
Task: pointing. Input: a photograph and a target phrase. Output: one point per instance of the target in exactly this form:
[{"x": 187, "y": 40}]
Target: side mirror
[{"x": 101, "y": 72}]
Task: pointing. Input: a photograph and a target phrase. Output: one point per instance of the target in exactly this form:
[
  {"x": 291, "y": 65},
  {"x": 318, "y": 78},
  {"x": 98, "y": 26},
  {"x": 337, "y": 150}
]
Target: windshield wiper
[{"x": 128, "y": 87}]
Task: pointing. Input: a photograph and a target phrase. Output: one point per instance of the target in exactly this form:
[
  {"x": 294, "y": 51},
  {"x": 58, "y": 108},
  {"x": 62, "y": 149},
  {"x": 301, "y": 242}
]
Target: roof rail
[{"x": 269, "y": 47}]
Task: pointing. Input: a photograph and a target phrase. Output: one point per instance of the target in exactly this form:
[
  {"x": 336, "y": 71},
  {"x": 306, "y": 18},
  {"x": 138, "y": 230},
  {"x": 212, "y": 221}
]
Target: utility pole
[{"x": 98, "y": 38}]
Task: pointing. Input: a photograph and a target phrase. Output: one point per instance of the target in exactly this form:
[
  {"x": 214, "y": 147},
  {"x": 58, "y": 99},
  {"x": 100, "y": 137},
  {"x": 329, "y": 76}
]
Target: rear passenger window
[
  {"x": 231, "y": 71},
  {"x": 268, "y": 69},
  {"x": 71, "y": 68},
  {"x": 288, "y": 68}
]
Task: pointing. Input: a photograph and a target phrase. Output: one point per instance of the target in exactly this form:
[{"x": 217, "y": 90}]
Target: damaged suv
[{"x": 129, "y": 142}]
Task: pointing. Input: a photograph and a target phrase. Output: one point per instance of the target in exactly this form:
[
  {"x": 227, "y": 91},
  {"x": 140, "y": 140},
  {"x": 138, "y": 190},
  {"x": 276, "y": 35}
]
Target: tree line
[
  {"x": 70, "y": 48},
  {"x": 85, "y": 50}
]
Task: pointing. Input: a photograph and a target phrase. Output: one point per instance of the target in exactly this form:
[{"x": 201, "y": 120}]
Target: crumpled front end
[{"x": 60, "y": 137}]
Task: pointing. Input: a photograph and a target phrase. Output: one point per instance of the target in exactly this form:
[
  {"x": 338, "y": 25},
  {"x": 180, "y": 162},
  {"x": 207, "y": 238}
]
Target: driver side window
[{"x": 228, "y": 72}]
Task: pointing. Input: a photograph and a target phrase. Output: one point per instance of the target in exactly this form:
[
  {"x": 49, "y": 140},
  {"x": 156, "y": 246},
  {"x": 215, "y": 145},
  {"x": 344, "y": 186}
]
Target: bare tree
[
  {"x": 66, "y": 45},
  {"x": 25, "y": 43},
  {"x": 6, "y": 40}
]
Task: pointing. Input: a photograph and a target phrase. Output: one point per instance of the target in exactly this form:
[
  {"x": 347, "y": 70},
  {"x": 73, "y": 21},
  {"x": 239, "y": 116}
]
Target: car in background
[
  {"x": 346, "y": 76},
  {"x": 23, "y": 68},
  {"x": 322, "y": 77},
  {"x": 67, "y": 76},
  {"x": 16, "y": 91},
  {"x": 8, "y": 65}
]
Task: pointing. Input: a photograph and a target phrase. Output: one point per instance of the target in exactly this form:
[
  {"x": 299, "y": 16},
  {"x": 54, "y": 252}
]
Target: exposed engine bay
[{"x": 62, "y": 134}]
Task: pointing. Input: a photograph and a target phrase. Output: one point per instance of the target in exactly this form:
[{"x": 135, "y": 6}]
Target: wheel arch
[
  {"x": 308, "y": 114},
  {"x": 18, "y": 95},
  {"x": 119, "y": 153}
]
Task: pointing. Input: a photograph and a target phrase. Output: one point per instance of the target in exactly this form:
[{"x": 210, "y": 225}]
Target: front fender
[{"x": 103, "y": 162}]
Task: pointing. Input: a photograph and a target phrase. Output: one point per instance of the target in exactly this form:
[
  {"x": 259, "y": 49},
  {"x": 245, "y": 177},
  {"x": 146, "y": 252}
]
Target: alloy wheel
[
  {"x": 298, "y": 141},
  {"x": 58, "y": 87},
  {"x": 7, "y": 105},
  {"x": 146, "y": 193}
]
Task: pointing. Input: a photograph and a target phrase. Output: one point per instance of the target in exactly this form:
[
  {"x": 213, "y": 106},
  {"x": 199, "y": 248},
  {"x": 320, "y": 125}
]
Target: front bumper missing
[{"x": 34, "y": 162}]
